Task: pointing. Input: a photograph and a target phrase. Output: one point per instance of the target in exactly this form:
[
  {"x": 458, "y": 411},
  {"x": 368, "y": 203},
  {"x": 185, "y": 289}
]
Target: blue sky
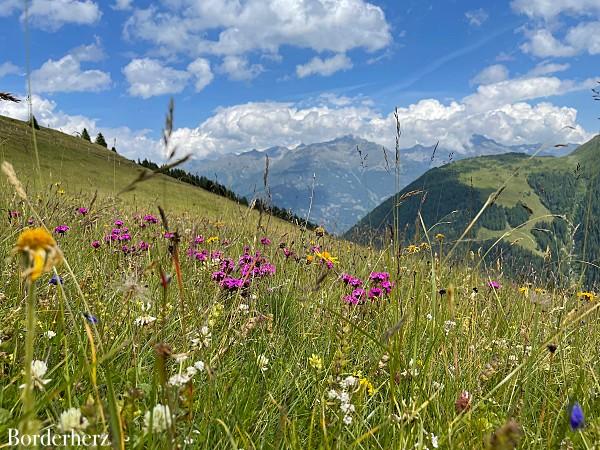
[{"x": 256, "y": 73}]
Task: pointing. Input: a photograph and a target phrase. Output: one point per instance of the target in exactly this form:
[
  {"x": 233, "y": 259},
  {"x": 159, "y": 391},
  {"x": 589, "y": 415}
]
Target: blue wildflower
[
  {"x": 90, "y": 317},
  {"x": 576, "y": 418},
  {"x": 56, "y": 280}
]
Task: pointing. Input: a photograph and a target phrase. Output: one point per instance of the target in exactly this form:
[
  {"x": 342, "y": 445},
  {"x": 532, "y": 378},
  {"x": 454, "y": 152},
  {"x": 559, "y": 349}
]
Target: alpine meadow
[{"x": 300, "y": 224}]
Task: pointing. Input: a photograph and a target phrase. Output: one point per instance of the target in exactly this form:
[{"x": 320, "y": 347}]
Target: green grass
[{"x": 418, "y": 348}]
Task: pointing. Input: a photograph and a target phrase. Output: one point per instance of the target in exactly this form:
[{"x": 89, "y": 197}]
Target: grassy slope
[
  {"x": 486, "y": 174},
  {"x": 82, "y": 168}
]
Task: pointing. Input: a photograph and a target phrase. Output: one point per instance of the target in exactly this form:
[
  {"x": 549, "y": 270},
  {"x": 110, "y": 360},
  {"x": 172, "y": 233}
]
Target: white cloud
[
  {"x": 261, "y": 25},
  {"x": 123, "y": 5},
  {"x": 148, "y": 77},
  {"x": 324, "y": 67},
  {"x": 477, "y": 17},
  {"x": 200, "y": 69},
  {"x": 498, "y": 113},
  {"x": 550, "y": 9},
  {"x": 51, "y": 15},
  {"x": 547, "y": 68},
  {"x": 8, "y": 68},
  {"x": 542, "y": 39},
  {"x": 238, "y": 68},
  {"x": 66, "y": 75},
  {"x": 491, "y": 74}
]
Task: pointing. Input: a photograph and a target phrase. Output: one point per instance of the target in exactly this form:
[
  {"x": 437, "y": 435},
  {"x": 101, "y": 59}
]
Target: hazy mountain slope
[{"x": 352, "y": 175}]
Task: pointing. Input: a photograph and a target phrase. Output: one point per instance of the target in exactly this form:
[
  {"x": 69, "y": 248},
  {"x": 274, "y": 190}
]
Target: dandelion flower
[{"x": 40, "y": 249}]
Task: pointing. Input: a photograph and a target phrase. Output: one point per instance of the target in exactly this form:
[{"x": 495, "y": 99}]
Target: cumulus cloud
[
  {"x": 491, "y": 74},
  {"x": 547, "y": 68},
  {"x": 238, "y": 68},
  {"x": 149, "y": 77},
  {"x": 498, "y": 112},
  {"x": 202, "y": 73},
  {"x": 542, "y": 38},
  {"x": 66, "y": 75},
  {"x": 51, "y": 15},
  {"x": 123, "y": 5},
  {"x": 260, "y": 25},
  {"x": 477, "y": 17},
  {"x": 324, "y": 67},
  {"x": 8, "y": 68}
]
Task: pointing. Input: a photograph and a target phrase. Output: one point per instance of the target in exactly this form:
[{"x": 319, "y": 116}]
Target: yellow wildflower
[
  {"x": 411, "y": 249},
  {"x": 212, "y": 239},
  {"x": 315, "y": 362},
  {"x": 440, "y": 236},
  {"x": 589, "y": 296},
  {"x": 364, "y": 382},
  {"x": 524, "y": 290},
  {"x": 309, "y": 259},
  {"x": 327, "y": 257},
  {"x": 41, "y": 251},
  {"x": 320, "y": 231}
]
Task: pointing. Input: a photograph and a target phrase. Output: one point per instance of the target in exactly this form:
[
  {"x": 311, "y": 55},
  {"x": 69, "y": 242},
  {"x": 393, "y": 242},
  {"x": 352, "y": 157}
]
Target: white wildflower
[
  {"x": 429, "y": 316},
  {"x": 244, "y": 308},
  {"x": 199, "y": 365},
  {"x": 434, "y": 441},
  {"x": 262, "y": 362},
  {"x": 144, "y": 320},
  {"x": 38, "y": 370},
  {"x": 332, "y": 394},
  {"x": 179, "y": 379},
  {"x": 180, "y": 357},
  {"x": 72, "y": 420},
  {"x": 448, "y": 325},
  {"x": 348, "y": 419},
  {"x": 159, "y": 419},
  {"x": 49, "y": 334}
]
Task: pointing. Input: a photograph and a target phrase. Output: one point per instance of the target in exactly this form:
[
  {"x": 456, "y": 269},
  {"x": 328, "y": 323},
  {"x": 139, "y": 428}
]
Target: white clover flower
[
  {"x": 347, "y": 408},
  {"x": 344, "y": 397},
  {"x": 348, "y": 382},
  {"x": 179, "y": 379},
  {"x": 38, "y": 370},
  {"x": 144, "y": 320},
  {"x": 72, "y": 420},
  {"x": 49, "y": 334},
  {"x": 191, "y": 371},
  {"x": 348, "y": 419},
  {"x": 199, "y": 365},
  {"x": 160, "y": 416},
  {"x": 332, "y": 394}
]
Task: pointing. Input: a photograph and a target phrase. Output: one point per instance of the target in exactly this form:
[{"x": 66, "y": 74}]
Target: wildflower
[
  {"x": 412, "y": 249},
  {"x": 262, "y": 361},
  {"x": 494, "y": 284},
  {"x": 199, "y": 365},
  {"x": 356, "y": 298},
  {"x": 309, "y": 259},
  {"x": 315, "y": 362},
  {"x": 212, "y": 239},
  {"x": 589, "y": 296},
  {"x": 179, "y": 379},
  {"x": 347, "y": 419},
  {"x": 13, "y": 214},
  {"x": 38, "y": 370},
  {"x": 265, "y": 241},
  {"x": 463, "y": 402},
  {"x": 364, "y": 382},
  {"x": 433, "y": 437},
  {"x": 72, "y": 420},
  {"x": 448, "y": 325},
  {"x": 61, "y": 229},
  {"x": 95, "y": 244},
  {"x": 41, "y": 251},
  {"x": 440, "y": 236},
  {"x": 348, "y": 382},
  {"x": 244, "y": 308},
  {"x": 327, "y": 258},
  {"x": 351, "y": 281},
  {"x": 576, "y": 419},
  {"x": 55, "y": 280},
  {"x": 168, "y": 235},
  {"x": 524, "y": 290},
  {"x": 90, "y": 318},
  {"x": 159, "y": 419},
  {"x": 118, "y": 223},
  {"x": 144, "y": 320},
  {"x": 49, "y": 334},
  {"x": 83, "y": 211},
  {"x": 320, "y": 231},
  {"x": 379, "y": 277},
  {"x": 143, "y": 246},
  {"x": 204, "y": 338},
  {"x": 149, "y": 218},
  {"x": 375, "y": 292}
]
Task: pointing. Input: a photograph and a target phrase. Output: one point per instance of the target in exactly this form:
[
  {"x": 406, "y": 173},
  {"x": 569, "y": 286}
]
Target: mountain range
[{"x": 351, "y": 176}]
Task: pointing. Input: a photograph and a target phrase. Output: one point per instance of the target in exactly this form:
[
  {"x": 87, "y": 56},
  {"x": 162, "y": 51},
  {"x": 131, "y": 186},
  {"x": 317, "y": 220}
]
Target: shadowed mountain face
[
  {"x": 350, "y": 175},
  {"x": 546, "y": 217}
]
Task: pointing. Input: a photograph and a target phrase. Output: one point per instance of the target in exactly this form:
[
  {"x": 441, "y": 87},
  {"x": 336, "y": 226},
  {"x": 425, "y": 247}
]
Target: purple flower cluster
[
  {"x": 118, "y": 234},
  {"x": 233, "y": 276},
  {"x": 149, "y": 218},
  {"x": 83, "y": 211},
  {"x": 379, "y": 286}
]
